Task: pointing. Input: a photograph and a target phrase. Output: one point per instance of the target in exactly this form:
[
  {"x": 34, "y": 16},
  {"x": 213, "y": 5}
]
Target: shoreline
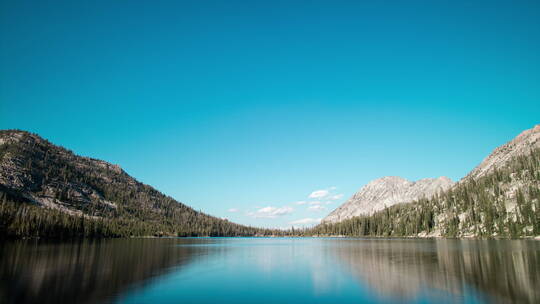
[{"x": 534, "y": 238}]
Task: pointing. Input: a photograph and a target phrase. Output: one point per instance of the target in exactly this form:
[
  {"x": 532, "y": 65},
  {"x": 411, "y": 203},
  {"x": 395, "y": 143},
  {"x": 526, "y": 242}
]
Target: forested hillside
[
  {"x": 502, "y": 203},
  {"x": 47, "y": 191}
]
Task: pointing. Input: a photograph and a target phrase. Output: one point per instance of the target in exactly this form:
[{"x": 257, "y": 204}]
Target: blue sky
[{"x": 241, "y": 109}]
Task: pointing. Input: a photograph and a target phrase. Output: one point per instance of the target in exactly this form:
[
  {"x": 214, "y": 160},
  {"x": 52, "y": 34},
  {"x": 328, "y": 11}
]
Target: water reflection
[
  {"x": 501, "y": 271},
  {"x": 84, "y": 272},
  {"x": 281, "y": 270}
]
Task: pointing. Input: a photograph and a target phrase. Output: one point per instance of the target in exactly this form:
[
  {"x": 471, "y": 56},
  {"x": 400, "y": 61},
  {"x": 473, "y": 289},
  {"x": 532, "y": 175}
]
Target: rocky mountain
[
  {"x": 521, "y": 145},
  {"x": 385, "y": 192},
  {"x": 46, "y": 186},
  {"x": 503, "y": 203},
  {"x": 388, "y": 191},
  {"x": 499, "y": 198}
]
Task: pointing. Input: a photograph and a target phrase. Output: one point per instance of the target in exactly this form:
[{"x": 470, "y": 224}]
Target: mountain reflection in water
[
  {"x": 505, "y": 271},
  {"x": 85, "y": 271}
]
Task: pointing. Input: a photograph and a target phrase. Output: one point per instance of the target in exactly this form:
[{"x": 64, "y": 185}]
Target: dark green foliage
[
  {"x": 19, "y": 220},
  {"x": 22, "y": 220}
]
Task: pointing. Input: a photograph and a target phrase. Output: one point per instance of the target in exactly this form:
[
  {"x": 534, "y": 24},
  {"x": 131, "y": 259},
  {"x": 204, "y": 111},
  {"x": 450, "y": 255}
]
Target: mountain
[
  {"x": 499, "y": 198},
  {"x": 385, "y": 192},
  {"x": 521, "y": 145},
  {"x": 388, "y": 191},
  {"x": 48, "y": 191}
]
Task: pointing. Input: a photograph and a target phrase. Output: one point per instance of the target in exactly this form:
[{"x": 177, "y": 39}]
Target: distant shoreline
[{"x": 534, "y": 238}]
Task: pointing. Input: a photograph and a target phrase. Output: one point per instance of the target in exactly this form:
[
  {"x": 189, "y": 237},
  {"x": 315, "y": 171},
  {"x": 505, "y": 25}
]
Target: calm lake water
[{"x": 271, "y": 270}]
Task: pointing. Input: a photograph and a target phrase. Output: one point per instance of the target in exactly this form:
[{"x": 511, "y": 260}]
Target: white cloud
[
  {"x": 233, "y": 210},
  {"x": 335, "y": 197},
  {"x": 319, "y": 194},
  {"x": 322, "y": 193},
  {"x": 316, "y": 208},
  {"x": 305, "y": 221},
  {"x": 301, "y": 203},
  {"x": 271, "y": 212}
]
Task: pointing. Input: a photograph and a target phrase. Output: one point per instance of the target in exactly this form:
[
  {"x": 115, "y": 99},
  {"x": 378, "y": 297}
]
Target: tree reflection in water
[
  {"x": 85, "y": 271},
  {"x": 506, "y": 270}
]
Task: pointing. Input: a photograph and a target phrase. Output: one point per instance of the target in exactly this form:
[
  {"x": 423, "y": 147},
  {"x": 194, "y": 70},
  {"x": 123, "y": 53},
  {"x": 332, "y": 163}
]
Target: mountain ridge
[
  {"x": 503, "y": 203},
  {"x": 379, "y": 194},
  {"x": 523, "y": 143},
  {"x": 44, "y": 178},
  {"x": 499, "y": 198},
  {"x": 385, "y": 192}
]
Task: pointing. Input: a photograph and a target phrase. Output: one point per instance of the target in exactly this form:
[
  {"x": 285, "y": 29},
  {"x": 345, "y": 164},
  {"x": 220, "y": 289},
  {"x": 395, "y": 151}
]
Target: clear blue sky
[{"x": 246, "y": 105}]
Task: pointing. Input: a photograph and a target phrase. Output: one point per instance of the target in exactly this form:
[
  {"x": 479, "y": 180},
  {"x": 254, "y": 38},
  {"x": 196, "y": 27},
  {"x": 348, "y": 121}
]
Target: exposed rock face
[
  {"x": 522, "y": 144},
  {"x": 385, "y": 192},
  {"x": 388, "y": 191},
  {"x": 36, "y": 171}
]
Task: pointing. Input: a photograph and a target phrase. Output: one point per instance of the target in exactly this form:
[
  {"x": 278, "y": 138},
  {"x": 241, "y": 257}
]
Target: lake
[{"x": 271, "y": 270}]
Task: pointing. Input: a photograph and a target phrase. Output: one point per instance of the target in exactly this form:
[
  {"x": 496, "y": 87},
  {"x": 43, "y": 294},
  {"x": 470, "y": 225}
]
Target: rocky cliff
[
  {"x": 385, "y": 192},
  {"x": 521, "y": 145},
  {"x": 388, "y": 191}
]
